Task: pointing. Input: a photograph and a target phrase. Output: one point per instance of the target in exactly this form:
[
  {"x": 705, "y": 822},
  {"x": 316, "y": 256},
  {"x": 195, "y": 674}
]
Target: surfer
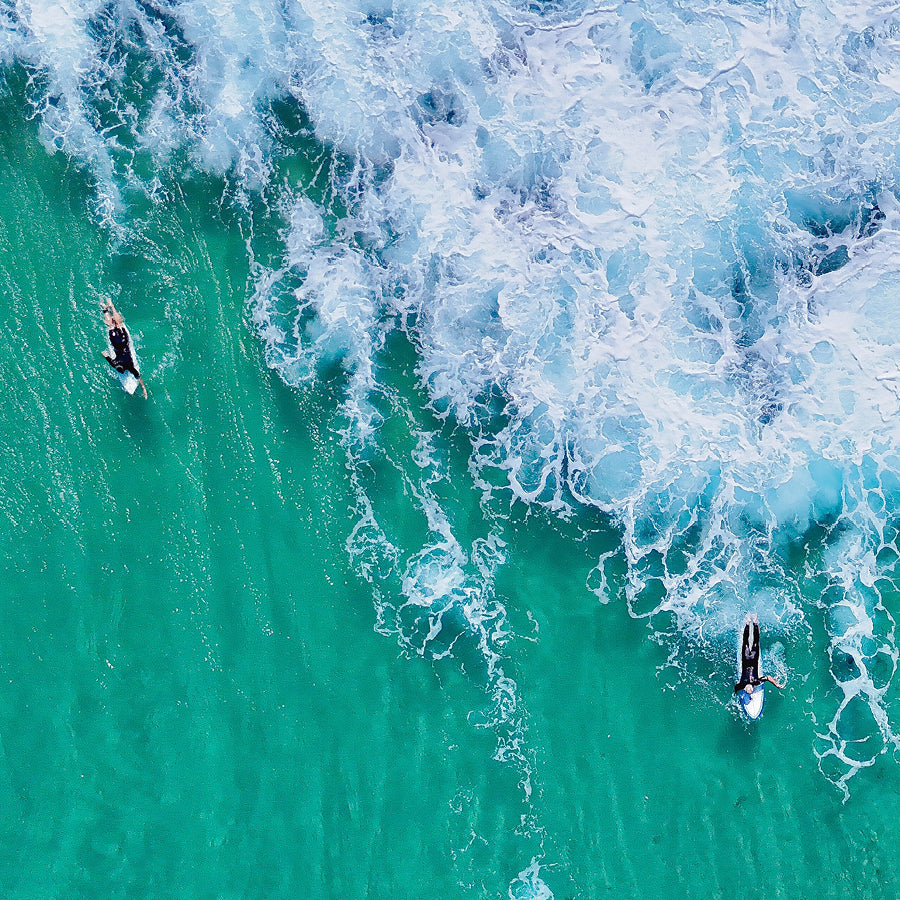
[
  {"x": 123, "y": 359},
  {"x": 750, "y": 677}
]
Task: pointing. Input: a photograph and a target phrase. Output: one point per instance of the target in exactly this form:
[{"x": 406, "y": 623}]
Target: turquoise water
[{"x": 276, "y": 632}]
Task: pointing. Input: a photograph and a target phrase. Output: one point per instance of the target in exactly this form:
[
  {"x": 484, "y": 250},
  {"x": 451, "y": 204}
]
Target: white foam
[
  {"x": 612, "y": 239},
  {"x": 647, "y": 258},
  {"x": 529, "y": 885}
]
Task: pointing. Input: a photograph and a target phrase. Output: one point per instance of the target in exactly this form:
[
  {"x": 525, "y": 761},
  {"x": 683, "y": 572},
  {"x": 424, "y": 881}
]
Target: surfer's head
[{"x": 749, "y": 690}]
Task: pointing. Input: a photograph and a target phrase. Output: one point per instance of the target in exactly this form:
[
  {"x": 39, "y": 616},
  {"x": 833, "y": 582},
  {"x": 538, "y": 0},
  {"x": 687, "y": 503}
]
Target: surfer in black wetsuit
[
  {"x": 122, "y": 359},
  {"x": 750, "y": 677}
]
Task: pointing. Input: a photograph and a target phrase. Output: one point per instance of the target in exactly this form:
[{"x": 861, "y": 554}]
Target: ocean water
[{"x": 501, "y": 358}]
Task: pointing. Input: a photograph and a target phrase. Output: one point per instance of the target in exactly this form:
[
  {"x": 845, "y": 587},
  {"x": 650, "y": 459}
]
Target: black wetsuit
[
  {"x": 123, "y": 361},
  {"x": 749, "y": 659}
]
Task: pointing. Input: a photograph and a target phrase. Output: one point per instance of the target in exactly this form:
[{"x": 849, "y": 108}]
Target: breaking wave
[{"x": 646, "y": 255}]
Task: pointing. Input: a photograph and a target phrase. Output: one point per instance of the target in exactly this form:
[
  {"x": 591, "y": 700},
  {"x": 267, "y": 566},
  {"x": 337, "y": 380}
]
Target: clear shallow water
[{"x": 285, "y": 632}]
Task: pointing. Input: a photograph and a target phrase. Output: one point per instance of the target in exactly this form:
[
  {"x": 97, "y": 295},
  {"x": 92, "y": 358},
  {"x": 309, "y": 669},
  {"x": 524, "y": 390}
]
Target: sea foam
[{"x": 646, "y": 254}]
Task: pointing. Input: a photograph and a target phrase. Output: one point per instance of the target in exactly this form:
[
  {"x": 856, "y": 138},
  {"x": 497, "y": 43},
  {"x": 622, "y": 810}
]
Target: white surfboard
[{"x": 752, "y": 704}]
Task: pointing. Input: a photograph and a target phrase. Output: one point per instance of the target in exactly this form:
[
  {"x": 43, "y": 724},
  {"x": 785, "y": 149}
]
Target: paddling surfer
[
  {"x": 123, "y": 359},
  {"x": 750, "y": 677}
]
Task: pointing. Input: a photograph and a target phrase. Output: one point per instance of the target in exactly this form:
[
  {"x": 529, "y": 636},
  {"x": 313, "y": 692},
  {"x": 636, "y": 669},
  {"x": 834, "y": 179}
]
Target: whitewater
[{"x": 645, "y": 254}]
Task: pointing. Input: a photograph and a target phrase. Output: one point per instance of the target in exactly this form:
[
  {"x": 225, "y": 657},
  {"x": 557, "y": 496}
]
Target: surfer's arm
[
  {"x": 143, "y": 386},
  {"x": 771, "y": 680}
]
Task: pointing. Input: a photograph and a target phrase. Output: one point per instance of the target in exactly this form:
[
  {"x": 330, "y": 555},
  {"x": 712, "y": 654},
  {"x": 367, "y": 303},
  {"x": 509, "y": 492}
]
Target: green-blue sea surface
[{"x": 197, "y": 699}]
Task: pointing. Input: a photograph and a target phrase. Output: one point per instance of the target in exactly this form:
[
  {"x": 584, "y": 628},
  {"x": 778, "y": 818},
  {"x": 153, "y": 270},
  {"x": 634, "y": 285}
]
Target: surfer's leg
[
  {"x": 125, "y": 363},
  {"x": 746, "y": 649},
  {"x": 754, "y": 652}
]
